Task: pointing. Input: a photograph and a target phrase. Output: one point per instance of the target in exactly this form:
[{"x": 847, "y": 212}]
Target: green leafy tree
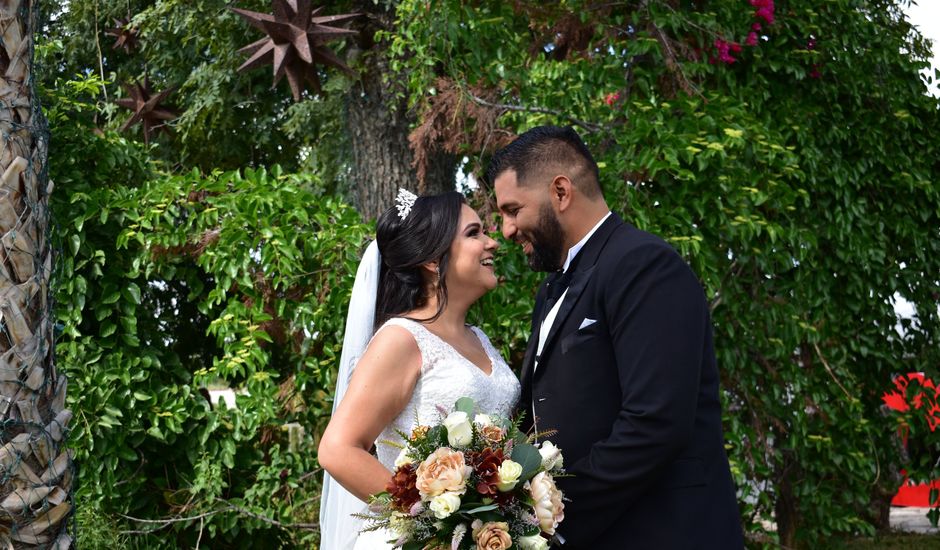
[
  {"x": 354, "y": 134},
  {"x": 789, "y": 154},
  {"x": 794, "y": 166}
]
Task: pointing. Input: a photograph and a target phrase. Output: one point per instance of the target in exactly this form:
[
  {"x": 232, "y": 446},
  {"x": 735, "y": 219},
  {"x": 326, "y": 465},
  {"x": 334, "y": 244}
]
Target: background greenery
[{"x": 800, "y": 181}]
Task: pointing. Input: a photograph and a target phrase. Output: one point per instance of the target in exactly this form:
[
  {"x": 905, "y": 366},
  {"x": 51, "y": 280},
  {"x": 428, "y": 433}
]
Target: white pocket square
[{"x": 586, "y": 323}]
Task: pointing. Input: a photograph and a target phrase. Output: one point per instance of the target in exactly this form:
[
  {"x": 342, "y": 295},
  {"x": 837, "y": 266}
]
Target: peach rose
[
  {"x": 492, "y": 535},
  {"x": 444, "y": 470},
  {"x": 492, "y": 434},
  {"x": 549, "y": 508}
]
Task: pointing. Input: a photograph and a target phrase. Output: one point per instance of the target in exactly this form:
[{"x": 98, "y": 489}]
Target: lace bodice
[{"x": 445, "y": 377}]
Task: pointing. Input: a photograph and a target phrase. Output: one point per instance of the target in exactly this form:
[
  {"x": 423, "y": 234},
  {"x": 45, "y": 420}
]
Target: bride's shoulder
[
  {"x": 394, "y": 342},
  {"x": 396, "y": 329}
]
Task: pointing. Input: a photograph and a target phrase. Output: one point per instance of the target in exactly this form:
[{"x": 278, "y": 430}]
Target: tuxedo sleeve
[{"x": 657, "y": 320}]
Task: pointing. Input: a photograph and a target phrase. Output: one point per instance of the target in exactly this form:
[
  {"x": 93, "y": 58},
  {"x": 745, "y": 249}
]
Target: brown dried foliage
[{"x": 454, "y": 123}]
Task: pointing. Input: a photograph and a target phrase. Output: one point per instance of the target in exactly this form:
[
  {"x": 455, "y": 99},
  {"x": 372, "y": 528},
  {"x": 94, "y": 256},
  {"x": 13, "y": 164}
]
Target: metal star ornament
[
  {"x": 125, "y": 35},
  {"x": 295, "y": 43},
  {"x": 147, "y": 108}
]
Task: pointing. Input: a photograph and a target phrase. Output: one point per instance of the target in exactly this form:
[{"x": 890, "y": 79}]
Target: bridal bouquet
[{"x": 471, "y": 482}]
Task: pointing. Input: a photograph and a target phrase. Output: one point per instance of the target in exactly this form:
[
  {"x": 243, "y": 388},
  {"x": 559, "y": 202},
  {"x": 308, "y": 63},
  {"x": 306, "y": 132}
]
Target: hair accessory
[{"x": 404, "y": 201}]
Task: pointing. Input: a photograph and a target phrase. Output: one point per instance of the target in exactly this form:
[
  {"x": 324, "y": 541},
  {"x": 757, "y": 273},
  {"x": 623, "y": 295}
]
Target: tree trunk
[
  {"x": 379, "y": 124},
  {"x": 36, "y": 494},
  {"x": 786, "y": 512}
]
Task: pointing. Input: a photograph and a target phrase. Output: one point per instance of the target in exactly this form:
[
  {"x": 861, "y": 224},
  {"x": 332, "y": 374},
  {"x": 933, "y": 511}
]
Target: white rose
[
  {"x": 483, "y": 420},
  {"x": 403, "y": 459},
  {"x": 509, "y": 473},
  {"x": 551, "y": 456},
  {"x": 532, "y": 542},
  {"x": 445, "y": 504},
  {"x": 459, "y": 430}
]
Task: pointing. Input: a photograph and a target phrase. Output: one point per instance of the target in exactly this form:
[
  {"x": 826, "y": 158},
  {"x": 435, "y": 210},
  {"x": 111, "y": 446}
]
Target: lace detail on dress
[{"x": 446, "y": 376}]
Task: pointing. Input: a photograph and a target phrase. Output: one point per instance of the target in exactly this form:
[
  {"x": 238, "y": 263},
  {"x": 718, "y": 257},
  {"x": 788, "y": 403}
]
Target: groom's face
[{"x": 530, "y": 220}]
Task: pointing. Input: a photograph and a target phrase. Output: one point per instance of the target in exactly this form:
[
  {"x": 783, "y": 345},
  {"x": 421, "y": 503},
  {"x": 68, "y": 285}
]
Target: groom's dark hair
[
  {"x": 543, "y": 148},
  {"x": 424, "y": 235}
]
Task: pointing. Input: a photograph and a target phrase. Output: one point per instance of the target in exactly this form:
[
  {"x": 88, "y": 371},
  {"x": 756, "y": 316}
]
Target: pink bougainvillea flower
[
  {"x": 765, "y": 14},
  {"x": 724, "y": 50},
  {"x": 751, "y": 39}
]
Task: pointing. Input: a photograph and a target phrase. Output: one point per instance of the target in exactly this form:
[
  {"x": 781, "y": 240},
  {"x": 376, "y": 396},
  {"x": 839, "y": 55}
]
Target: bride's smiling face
[{"x": 471, "y": 256}]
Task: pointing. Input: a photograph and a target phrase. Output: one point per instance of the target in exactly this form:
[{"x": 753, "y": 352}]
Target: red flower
[
  {"x": 612, "y": 98},
  {"x": 895, "y": 401}
]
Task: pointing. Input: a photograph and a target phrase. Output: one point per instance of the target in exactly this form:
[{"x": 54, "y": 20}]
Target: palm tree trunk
[{"x": 36, "y": 468}]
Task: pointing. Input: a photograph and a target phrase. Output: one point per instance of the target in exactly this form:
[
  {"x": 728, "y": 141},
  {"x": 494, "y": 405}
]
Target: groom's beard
[{"x": 547, "y": 241}]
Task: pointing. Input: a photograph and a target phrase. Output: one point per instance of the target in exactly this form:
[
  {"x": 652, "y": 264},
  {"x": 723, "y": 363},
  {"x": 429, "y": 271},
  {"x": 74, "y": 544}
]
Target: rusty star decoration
[
  {"x": 147, "y": 108},
  {"x": 295, "y": 43},
  {"x": 125, "y": 35}
]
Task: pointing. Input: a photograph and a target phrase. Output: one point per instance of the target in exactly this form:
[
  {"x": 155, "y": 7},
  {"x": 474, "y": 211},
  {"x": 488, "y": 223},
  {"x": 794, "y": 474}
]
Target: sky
[{"x": 925, "y": 15}]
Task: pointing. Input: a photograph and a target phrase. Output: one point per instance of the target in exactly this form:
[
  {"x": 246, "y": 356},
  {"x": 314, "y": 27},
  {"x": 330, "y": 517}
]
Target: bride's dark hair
[{"x": 425, "y": 235}]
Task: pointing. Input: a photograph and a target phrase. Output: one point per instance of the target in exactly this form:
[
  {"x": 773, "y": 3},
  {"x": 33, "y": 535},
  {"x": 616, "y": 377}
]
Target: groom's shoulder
[{"x": 627, "y": 238}]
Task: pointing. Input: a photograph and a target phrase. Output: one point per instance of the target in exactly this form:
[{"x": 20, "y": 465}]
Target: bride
[{"x": 430, "y": 262}]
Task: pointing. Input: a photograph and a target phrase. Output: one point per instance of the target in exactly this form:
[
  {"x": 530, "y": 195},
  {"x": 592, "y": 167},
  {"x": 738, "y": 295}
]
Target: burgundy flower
[
  {"x": 402, "y": 488},
  {"x": 485, "y": 465}
]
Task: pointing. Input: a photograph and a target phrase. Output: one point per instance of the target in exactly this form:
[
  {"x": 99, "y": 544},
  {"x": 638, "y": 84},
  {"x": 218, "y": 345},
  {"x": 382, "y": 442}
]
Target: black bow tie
[{"x": 556, "y": 284}]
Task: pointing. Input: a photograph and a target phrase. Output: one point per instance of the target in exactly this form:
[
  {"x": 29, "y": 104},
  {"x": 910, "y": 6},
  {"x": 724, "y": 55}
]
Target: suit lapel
[
  {"x": 579, "y": 280},
  {"x": 529, "y": 361}
]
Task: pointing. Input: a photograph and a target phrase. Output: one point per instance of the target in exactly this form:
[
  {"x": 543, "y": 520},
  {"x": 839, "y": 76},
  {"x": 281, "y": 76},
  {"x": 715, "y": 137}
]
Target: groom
[{"x": 620, "y": 361}]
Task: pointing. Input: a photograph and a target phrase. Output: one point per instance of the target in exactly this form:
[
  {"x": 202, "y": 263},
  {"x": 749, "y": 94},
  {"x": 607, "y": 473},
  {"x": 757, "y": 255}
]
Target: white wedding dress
[{"x": 445, "y": 377}]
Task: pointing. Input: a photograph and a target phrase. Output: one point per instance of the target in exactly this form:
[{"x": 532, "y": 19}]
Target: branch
[
  {"x": 673, "y": 64},
  {"x": 164, "y": 523},
  {"x": 589, "y": 126},
  {"x": 274, "y": 522},
  {"x": 829, "y": 370}
]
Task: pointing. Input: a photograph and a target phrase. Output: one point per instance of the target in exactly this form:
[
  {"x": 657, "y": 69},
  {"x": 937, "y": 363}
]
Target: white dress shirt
[{"x": 549, "y": 320}]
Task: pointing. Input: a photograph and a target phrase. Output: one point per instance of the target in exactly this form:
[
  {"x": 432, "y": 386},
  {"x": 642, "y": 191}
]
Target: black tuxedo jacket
[{"x": 628, "y": 379}]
